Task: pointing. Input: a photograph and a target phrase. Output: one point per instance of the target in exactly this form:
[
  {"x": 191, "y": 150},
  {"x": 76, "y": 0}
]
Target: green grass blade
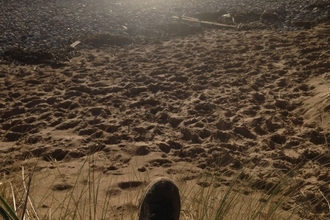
[
  {"x": 4, "y": 214},
  {"x": 6, "y": 211}
]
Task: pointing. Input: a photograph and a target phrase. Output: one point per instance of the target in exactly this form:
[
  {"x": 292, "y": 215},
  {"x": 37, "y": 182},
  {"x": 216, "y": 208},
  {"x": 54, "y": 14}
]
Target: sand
[{"x": 220, "y": 102}]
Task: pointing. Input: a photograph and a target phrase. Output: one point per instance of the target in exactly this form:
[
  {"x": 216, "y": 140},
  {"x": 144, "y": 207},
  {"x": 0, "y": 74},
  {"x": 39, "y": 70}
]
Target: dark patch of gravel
[{"x": 55, "y": 24}]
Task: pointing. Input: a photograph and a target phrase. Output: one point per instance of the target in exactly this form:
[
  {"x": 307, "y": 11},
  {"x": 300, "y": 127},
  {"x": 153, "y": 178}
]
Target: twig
[
  {"x": 13, "y": 194},
  {"x": 325, "y": 198},
  {"x": 27, "y": 193}
]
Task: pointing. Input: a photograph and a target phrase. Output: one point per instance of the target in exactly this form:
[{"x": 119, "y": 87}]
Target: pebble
[{"x": 36, "y": 24}]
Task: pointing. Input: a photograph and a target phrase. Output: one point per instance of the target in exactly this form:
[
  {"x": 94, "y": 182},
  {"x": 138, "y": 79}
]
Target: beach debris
[
  {"x": 204, "y": 23},
  {"x": 74, "y": 44}
]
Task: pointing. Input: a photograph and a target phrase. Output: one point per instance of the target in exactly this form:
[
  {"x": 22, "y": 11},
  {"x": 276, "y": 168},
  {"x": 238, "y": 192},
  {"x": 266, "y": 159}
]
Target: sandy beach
[{"x": 218, "y": 101}]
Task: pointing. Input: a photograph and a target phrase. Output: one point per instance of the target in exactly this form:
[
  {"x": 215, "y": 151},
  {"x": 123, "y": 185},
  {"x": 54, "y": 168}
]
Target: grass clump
[
  {"x": 93, "y": 194},
  {"x": 238, "y": 200}
]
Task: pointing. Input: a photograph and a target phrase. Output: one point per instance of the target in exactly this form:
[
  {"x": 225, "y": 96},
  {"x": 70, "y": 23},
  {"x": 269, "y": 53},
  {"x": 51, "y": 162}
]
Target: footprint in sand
[
  {"x": 114, "y": 192},
  {"x": 62, "y": 186},
  {"x": 161, "y": 162},
  {"x": 59, "y": 154},
  {"x": 130, "y": 184}
]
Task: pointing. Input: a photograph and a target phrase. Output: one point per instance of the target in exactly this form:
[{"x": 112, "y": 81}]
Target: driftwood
[
  {"x": 74, "y": 44},
  {"x": 204, "y": 23}
]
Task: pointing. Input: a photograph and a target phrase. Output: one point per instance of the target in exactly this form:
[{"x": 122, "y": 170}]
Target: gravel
[{"x": 41, "y": 24}]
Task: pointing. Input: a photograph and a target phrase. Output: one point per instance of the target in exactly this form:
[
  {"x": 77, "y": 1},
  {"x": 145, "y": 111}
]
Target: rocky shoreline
[{"x": 43, "y": 25}]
